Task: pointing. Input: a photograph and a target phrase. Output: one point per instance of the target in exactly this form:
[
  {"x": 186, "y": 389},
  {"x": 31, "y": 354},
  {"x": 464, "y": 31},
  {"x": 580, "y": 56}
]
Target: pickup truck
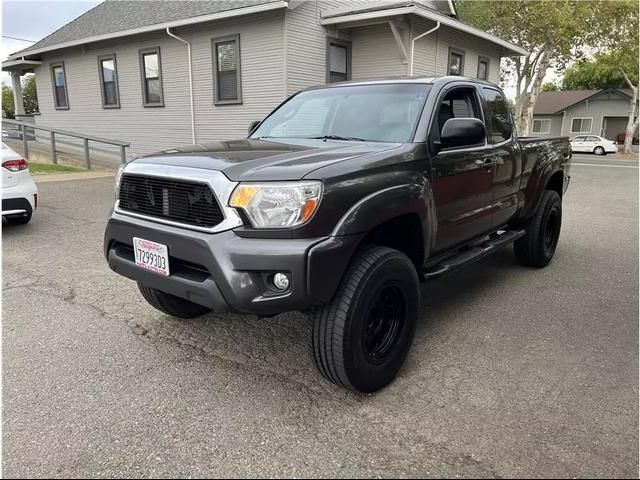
[{"x": 339, "y": 203}]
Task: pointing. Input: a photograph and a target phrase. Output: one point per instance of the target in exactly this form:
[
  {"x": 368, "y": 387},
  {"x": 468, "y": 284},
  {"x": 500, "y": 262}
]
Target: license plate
[{"x": 151, "y": 256}]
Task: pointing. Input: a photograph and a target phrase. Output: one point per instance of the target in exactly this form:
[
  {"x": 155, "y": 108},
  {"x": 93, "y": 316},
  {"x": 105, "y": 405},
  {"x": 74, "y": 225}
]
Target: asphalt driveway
[{"x": 514, "y": 371}]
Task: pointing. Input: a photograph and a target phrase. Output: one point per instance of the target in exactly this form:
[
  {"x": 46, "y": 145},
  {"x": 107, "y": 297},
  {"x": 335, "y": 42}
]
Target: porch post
[{"x": 17, "y": 93}]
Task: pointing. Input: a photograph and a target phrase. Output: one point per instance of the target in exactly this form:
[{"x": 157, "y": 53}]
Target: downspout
[
  {"x": 413, "y": 45},
  {"x": 285, "y": 68},
  {"x": 193, "y": 116}
]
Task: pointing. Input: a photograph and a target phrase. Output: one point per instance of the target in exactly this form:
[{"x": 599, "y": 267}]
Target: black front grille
[{"x": 181, "y": 201}]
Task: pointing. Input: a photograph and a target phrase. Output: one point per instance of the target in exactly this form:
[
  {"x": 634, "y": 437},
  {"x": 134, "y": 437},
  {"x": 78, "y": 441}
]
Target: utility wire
[{"x": 21, "y": 39}]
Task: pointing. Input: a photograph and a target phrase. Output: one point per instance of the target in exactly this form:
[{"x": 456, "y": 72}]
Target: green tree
[
  {"x": 7, "y": 101},
  {"x": 597, "y": 73},
  {"x": 549, "y": 87},
  {"x": 554, "y": 32},
  {"x": 29, "y": 97},
  {"x": 29, "y": 94}
]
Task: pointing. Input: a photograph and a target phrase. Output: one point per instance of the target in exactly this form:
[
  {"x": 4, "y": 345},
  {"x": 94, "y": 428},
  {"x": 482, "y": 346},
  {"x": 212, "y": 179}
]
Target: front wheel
[
  {"x": 599, "y": 151},
  {"x": 362, "y": 338},
  {"x": 537, "y": 247}
]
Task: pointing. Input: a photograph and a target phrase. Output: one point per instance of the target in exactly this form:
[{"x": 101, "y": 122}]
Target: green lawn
[{"x": 39, "y": 168}]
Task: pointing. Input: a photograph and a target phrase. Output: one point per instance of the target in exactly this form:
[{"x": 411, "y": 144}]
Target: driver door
[{"x": 462, "y": 177}]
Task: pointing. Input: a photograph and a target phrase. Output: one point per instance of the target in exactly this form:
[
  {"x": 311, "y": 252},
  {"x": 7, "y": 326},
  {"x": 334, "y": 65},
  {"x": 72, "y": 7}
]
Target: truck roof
[{"x": 427, "y": 80}]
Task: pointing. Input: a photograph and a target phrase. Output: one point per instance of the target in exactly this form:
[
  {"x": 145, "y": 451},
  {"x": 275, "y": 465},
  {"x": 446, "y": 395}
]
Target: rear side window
[{"x": 498, "y": 116}]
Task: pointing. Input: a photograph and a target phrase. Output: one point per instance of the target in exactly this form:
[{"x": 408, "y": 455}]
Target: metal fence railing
[{"x": 21, "y": 129}]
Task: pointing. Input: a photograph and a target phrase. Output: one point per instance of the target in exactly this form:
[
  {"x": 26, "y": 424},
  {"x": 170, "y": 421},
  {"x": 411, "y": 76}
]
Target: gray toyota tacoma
[{"x": 339, "y": 203}]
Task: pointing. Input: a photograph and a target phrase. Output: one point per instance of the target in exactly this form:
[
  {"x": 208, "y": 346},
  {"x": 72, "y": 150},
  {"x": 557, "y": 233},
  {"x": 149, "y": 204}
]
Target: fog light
[{"x": 281, "y": 281}]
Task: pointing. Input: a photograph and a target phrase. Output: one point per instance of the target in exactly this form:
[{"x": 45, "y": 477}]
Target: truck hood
[{"x": 262, "y": 160}]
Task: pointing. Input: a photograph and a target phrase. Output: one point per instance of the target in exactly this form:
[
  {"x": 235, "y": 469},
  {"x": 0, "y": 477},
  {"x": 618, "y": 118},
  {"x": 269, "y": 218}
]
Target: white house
[{"x": 160, "y": 74}]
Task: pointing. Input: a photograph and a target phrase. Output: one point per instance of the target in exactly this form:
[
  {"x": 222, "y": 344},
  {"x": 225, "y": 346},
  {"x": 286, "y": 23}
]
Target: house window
[
  {"x": 59, "y": 82},
  {"x": 581, "y": 125},
  {"x": 541, "y": 126},
  {"x": 338, "y": 60},
  {"x": 499, "y": 116},
  {"x": 109, "y": 81},
  {"x": 483, "y": 68},
  {"x": 226, "y": 70},
  {"x": 456, "y": 62},
  {"x": 151, "y": 72}
]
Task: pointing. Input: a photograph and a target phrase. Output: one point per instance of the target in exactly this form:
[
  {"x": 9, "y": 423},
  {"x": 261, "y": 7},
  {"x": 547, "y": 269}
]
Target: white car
[
  {"x": 19, "y": 192},
  {"x": 593, "y": 144}
]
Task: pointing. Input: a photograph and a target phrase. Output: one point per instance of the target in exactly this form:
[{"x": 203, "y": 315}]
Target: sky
[{"x": 34, "y": 20}]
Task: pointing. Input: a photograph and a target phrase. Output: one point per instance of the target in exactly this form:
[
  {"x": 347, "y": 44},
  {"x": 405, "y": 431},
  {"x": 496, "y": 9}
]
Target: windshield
[{"x": 380, "y": 113}]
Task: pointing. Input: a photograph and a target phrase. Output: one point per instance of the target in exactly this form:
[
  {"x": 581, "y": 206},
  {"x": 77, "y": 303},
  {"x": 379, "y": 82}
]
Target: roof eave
[
  {"x": 509, "y": 48},
  {"x": 275, "y": 5},
  {"x": 19, "y": 65},
  {"x": 604, "y": 90}
]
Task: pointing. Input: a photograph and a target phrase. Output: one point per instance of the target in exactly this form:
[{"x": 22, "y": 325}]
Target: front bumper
[{"x": 225, "y": 272}]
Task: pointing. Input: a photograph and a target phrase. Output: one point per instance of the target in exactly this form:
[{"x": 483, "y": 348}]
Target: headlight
[{"x": 277, "y": 204}]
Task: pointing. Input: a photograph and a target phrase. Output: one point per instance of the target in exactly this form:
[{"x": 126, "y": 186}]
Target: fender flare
[
  {"x": 536, "y": 189},
  {"x": 388, "y": 203}
]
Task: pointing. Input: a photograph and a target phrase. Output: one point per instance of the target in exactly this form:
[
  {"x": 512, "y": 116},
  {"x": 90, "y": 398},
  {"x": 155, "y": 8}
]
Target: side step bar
[{"x": 471, "y": 254}]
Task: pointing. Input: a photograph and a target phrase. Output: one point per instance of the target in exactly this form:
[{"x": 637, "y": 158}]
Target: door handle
[{"x": 486, "y": 163}]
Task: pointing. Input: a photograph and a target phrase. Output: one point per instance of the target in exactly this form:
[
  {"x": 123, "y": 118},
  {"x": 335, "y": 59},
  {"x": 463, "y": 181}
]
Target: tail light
[{"x": 15, "y": 165}]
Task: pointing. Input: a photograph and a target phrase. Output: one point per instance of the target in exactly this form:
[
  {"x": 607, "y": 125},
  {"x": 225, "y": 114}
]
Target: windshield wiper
[{"x": 338, "y": 137}]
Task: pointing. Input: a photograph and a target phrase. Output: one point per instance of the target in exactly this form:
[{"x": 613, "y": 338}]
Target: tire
[
  {"x": 599, "y": 151},
  {"x": 362, "y": 338},
  {"x": 19, "y": 220},
  {"x": 537, "y": 247},
  {"x": 170, "y": 304}
]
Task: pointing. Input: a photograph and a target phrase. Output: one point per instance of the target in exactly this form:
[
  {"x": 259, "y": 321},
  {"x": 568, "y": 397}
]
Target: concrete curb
[{"x": 66, "y": 177}]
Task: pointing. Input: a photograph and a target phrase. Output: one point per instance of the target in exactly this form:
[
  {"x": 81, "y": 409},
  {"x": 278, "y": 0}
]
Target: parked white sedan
[
  {"x": 593, "y": 144},
  {"x": 19, "y": 192}
]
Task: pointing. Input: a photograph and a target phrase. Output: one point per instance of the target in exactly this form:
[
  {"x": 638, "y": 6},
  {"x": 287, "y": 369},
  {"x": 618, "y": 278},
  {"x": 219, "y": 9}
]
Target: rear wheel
[
  {"x": 19, "y": 219},
  {"x": 599, "y": 151},
  {"x": 362, "y": 338},
  {"x": 537, "y": 247},
  {"x": 170, "y": 304}
]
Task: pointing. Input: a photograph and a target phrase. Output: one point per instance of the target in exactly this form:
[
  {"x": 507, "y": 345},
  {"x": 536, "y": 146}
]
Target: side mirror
[
  {"x": 253, "y": 125},
  {"x": 462, "y": 132}
]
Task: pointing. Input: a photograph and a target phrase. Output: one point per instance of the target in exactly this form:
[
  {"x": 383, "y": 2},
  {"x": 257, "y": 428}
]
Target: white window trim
[
  {"x": 235, "y": 38},
  {"x": 543, "y": 120},
  {"x": 583, "y": 131}
]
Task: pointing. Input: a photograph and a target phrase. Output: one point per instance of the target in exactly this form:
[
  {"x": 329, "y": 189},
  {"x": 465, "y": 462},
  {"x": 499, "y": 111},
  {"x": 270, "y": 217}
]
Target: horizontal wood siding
[
  {"x": 472, "y": 47},
  {"x": 375, "y": 52},
  {"x": 424, "y": 56},
  {"x": 155, "y": 128},
  {"x": 604, "y": 105},
  {"x": 307, "y": 43},
  {"x": 262, "y": 76}
]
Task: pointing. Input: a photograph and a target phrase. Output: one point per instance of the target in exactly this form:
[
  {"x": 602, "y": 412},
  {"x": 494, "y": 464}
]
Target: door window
[
  {"x": 458, "y": 103},
  {"x": 499, "y": 116}
]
